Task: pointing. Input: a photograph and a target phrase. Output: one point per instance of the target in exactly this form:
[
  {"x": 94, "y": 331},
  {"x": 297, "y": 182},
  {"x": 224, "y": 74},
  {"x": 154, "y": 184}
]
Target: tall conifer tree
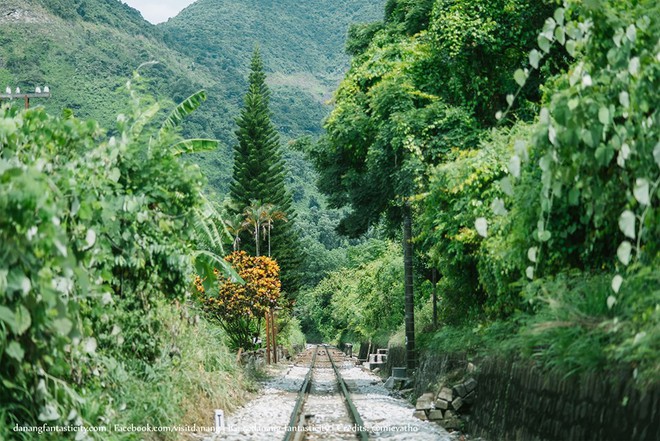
[{"x": 259, "y": 174}]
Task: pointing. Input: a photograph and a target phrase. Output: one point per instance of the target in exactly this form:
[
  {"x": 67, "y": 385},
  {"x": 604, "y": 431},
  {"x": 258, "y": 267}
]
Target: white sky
[{"x": 158, "y": 11}]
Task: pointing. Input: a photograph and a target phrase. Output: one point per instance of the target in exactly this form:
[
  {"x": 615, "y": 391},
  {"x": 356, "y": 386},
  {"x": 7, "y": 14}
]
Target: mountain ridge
[{"x": 85, "y": 50}]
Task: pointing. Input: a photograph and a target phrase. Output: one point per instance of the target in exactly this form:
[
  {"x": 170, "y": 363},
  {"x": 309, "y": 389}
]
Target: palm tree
[
  {"x": 234, "y": 225},
  {"x": 270, "y": 215},
  {"x": 253, "y": 221}
]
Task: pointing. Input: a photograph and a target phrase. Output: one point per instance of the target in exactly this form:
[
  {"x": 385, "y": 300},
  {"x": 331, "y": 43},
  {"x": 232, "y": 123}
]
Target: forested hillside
[
  {"x": 524, "y": 137},
  {"x": 85, "y": 49}
]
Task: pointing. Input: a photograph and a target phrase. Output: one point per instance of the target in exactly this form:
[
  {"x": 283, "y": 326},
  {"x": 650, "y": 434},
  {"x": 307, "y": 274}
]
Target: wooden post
[
  {"x": 434, "y": 281},
  {"x": 408, "y": 287},
  {"x": 274, "y": 328},
  {"x": 267, "y": 338}
]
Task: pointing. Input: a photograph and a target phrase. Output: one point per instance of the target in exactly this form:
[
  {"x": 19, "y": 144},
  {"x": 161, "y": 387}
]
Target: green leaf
[
  {"x": 498, "y": 207},
  {"x": 574, "y": 196},
  {"x": 529, "y": 272},
  {"x": 559, "y": 16},
  {"x": 514, "y": 166},
  {"x": 62, "y": 326},
  {"x": 90, "y": 238},
  {"x": 7, "y": 316},
  {"x": 544, "y": 43},
  {"x": 611, "y": 300},
  {"x": 627, "y": 223},
  {"x": 560, "y": 35},
  {"x": 641, "y": 191},
  {"x": 89, "y": 345},
  {"x": 114, "y": 174},
  {"x": 604, "y": 115},
  {"x": 144, "y": 118},
  {"x": 604, "y": 154},
  {"x": 18, "y": 281},
  {"x": 520, "y": 76},
  {"x": 15, "y": 351},
  {"x": 623, "y": 252},
  {"x": 532, "y": 254},
  {"x": 225, "y": 267},
  {"x": 616, "y": 283},
  {"x": 23, "y": 320},
  {"x": 180, "y": 112},
  {"x": 571, "y": 48},
  {"x": 534, "y": 57},
  {"x": 545, "y": 235},
  {"x": 656, "y": 154},
  {"x": 195, "y": 146},
  {"x": 481, "y": 225},
  {"x": 506, "y": 186},
  {"x": 3, "y": 281},
  {"x": 634, "y": 66}
]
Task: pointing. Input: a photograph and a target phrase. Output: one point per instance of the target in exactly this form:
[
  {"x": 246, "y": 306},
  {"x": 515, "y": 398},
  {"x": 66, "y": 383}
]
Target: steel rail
[
  {"x": 293, "y": 431},
  {"x": 361, "y": 431}
]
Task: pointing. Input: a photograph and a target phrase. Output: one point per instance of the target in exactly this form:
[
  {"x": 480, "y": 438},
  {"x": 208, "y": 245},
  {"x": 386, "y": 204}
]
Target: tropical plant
[
  {"x": 88, "y": 255},
  {"x": 239, "y": 309}
]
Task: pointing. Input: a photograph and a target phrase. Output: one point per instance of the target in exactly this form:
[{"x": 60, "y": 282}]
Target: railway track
[{"x": 324, "y": 409}]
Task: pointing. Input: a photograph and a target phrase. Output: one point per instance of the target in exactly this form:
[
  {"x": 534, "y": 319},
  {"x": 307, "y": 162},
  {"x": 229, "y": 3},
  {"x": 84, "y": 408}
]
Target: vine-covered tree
[{"x": 259, "y": 174}]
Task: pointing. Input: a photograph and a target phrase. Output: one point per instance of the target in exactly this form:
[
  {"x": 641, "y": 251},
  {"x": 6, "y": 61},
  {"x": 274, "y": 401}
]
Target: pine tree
[{"x": 259, "y": 175}]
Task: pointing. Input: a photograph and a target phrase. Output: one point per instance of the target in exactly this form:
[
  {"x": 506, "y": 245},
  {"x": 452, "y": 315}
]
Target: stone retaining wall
[
  {"x": 517, "y": 401},
  {"x": 514, "y": 400}
]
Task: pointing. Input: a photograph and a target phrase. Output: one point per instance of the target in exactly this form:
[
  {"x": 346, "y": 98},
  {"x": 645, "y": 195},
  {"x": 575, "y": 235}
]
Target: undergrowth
[{"x": 569, "y": 328}]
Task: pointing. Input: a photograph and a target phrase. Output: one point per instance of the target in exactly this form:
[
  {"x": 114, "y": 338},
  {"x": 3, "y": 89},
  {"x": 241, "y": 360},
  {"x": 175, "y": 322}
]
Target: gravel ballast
[{"x": 267, "y": 416}]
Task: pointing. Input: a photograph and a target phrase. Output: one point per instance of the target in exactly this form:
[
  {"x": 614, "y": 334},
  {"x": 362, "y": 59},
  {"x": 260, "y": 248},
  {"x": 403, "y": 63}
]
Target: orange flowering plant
[{"x": 238, "y": 308}]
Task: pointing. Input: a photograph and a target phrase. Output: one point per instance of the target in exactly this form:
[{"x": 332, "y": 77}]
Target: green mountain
[
  {"x": 85, "y": 50},
  {"x": 302, "y": 44}
]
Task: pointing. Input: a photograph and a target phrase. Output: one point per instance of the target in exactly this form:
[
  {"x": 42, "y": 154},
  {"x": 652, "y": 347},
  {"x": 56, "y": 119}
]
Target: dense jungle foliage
[
  {"x": 525, "y": 134},
  {"x": 100, "y": 239}
]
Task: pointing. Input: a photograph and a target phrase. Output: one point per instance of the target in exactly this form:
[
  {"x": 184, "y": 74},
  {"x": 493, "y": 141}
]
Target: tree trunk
[
  {"x": 267, "y": 338},
  {"x": 256, "y": 239},
  {"x": 408, "y": 288},
  {"x": 434, "y": 281}
]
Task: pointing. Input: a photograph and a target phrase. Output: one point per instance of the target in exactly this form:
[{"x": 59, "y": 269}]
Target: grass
[
  {"x": 195, "y": 375},
  {"x": 571, "y": 330}
]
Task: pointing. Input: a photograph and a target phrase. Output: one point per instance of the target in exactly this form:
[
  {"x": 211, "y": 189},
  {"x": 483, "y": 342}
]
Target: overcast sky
[{"x": 158, "y": 11}]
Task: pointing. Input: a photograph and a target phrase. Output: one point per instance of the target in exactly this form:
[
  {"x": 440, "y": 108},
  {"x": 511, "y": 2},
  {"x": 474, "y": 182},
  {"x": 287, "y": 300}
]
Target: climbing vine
[{"x": 597, "y": 144}]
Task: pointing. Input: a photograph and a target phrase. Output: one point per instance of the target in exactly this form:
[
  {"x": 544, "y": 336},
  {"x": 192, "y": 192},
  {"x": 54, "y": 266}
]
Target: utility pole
[
  {"x": 408, "y": 287},
  {"x": 38, "y": 93}
]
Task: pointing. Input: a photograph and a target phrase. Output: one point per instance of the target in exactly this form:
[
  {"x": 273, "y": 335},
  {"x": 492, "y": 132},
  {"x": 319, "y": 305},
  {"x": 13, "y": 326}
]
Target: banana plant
[
  {"x": 173, "y": 121},
  {"x": 205, "y": 221}
]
